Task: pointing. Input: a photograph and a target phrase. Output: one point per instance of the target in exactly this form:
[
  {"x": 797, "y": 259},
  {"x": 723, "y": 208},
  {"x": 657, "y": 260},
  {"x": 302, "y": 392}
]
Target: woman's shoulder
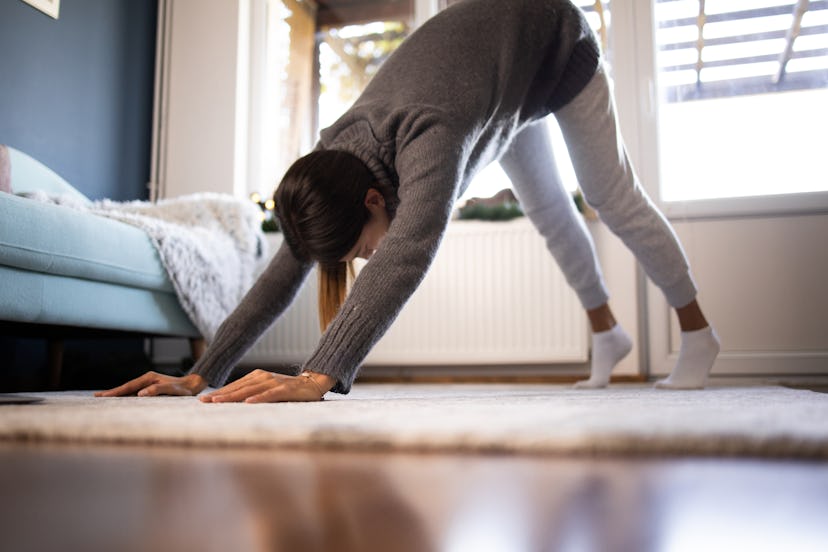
[{"x": 390, "y": 128}]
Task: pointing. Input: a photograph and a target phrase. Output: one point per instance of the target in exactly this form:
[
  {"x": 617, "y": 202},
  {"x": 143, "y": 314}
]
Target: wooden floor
[{"x": 90, "y": 498}]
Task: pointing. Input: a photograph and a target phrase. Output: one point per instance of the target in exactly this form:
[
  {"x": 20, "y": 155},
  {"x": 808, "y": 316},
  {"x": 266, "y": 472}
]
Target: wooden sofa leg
[
  {"x": 197, "y": 347},
  {"x": 54, "y": 363}
]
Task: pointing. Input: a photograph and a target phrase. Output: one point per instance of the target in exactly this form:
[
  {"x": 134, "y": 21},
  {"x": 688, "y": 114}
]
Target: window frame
[{"x": 633, "y": 39}]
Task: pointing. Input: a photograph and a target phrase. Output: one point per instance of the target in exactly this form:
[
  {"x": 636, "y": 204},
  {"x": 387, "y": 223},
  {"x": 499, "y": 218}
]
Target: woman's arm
[
  {"x": 429, "y": 166},
  {"x": 263, "y": 303}
]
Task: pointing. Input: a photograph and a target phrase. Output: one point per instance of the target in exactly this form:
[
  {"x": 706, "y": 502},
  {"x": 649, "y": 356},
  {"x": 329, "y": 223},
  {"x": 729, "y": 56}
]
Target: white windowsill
[{"x": 773, "y": 205}]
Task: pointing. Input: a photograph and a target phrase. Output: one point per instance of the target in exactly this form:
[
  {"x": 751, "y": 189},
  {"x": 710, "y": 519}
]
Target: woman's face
[{"x": 374, "y": 230}]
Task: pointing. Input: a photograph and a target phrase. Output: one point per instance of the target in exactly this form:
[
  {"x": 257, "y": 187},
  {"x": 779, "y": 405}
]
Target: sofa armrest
[{"x": 29, "y": 175}]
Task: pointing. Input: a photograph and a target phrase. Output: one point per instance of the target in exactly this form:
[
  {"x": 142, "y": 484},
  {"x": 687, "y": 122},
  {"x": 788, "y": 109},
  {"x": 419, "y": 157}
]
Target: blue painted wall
[{"x": 76, "y": 92}]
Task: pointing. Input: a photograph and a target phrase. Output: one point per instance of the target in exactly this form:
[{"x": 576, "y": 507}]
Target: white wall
[
  {"x": 762, "y": 282},
  {"x": 202, "y": 141}
]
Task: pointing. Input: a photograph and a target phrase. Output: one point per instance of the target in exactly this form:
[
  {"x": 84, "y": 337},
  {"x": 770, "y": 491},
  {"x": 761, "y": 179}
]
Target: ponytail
[{"x": 333, "y": 288}]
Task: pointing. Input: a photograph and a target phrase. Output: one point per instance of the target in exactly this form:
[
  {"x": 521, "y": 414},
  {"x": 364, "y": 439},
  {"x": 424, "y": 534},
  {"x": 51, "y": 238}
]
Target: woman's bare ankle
[
  {"x": 601, "y": 318},
  {"x": 691, "y": 318}
]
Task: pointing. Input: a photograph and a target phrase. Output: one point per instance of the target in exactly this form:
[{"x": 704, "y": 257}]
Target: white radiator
[{"x": 494, "y": 295}]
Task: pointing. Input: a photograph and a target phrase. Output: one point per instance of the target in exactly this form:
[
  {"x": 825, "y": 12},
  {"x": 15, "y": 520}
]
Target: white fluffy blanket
[{"x": 210, "y": 244}]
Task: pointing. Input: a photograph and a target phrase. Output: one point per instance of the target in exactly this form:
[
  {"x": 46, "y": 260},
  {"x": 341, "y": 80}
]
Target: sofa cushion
[
  {"x": 54, "y": 239},
  {"x": 51, "y": 299}
]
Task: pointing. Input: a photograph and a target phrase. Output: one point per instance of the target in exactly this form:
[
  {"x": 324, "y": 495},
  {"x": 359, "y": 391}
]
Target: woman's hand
[
  {"x": 262, "y": 386},
  {"x": 153, "y": 383}
]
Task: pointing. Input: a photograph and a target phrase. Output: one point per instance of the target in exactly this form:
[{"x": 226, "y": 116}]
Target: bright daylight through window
[
  {"x": 743, "y": 97},
  {"x": 350, "y": 55}
]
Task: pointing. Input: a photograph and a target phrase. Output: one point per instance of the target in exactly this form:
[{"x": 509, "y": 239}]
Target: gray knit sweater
[{"x": 443, "y": 106}]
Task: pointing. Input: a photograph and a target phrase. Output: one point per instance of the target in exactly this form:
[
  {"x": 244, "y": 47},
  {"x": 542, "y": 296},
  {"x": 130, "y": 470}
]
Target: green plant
[{"x": 500, "y": 212}]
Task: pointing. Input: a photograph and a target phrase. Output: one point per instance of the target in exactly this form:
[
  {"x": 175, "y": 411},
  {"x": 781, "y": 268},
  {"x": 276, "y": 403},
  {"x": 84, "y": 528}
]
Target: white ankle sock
[
  {"x": 698, "y": 352},
  {"x": 608, "y": 348}
]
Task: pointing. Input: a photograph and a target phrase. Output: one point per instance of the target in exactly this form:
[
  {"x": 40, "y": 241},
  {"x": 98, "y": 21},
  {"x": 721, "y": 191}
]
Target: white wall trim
[
  {"x": 756, "y": 206},
  {"x": 243, "y": 90},
  {"x": 160, "y": 100}
]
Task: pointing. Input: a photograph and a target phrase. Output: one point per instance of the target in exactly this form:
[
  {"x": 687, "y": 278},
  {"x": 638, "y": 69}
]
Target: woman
[{"x": 469, "y": 87}]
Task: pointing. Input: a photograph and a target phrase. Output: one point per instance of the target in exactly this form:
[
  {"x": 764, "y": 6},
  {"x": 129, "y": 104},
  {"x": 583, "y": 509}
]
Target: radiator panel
[{"x": 494, "y": 295}]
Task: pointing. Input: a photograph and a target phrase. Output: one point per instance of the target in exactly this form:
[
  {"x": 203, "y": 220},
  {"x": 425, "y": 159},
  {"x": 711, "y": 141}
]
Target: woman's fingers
[
  {"x": 167, "y": 388},
  {"x": 293, "y": 393},
  {"x": 131, "y": 387},
  {"x": 295, "y": 389},
  {"x": 245, "y": 392},
  {"x": 153, "y": 383},
  {"x": 256, "y": 387},
  {"x": 254, "y": 377},
  {"x": 268, "y": 396},
  {"x": 236, "y": 388},
  {"x": 150, "y": 391},
  {"x": 266, "y": 387}
]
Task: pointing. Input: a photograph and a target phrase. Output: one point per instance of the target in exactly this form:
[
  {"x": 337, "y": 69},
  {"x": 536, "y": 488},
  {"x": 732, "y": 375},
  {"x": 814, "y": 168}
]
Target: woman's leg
[
  {"x": 531, "y": 167},
  {"x": 611, "y": 187}
]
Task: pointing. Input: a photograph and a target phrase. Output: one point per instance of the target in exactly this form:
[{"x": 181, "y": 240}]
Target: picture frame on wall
[{"x": 49, "y": 7}]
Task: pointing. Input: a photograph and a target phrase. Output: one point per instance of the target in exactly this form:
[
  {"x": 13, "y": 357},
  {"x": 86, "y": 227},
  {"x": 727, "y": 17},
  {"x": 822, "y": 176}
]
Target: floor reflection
[{"x": 92, "y": 498}]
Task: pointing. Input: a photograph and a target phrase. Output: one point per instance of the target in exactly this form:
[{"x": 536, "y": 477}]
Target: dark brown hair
[{"x": 321, "y": 208}]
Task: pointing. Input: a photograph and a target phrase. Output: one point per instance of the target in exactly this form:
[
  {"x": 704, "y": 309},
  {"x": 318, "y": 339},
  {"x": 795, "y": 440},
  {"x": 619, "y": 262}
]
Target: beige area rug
[{"x": 546, "y": 419}]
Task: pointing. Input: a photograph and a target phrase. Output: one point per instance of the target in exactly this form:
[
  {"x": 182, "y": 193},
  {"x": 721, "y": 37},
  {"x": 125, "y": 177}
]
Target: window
[
  {"x": 354, "y": 38},
  {"x": 743, "y": 90},
  {"x": 349, "y": 56},
  {"x": 309, "y": 60},
  {"x": 281, "y": 91}
]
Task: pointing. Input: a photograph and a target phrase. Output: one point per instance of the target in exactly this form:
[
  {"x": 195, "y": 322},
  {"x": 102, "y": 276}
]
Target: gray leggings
[{"x": 610, "y": 186}]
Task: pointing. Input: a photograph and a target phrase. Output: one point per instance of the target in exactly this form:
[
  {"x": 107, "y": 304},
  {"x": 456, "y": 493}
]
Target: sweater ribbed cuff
[{"x": 339, "y": 353}]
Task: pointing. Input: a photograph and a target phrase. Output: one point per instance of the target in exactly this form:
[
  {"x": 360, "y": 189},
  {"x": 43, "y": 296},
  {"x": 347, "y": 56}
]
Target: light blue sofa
[{"x": 63, "y": 267}]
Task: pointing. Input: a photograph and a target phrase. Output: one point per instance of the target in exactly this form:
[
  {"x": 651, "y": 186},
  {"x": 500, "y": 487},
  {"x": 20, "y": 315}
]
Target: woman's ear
[{"x": 373, "y": 198}]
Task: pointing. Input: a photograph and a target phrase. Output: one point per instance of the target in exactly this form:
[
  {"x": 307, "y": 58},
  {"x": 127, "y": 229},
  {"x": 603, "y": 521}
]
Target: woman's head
[
  {"x": 331, "y": 210},
  {"x": 324, "y": 203}
]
